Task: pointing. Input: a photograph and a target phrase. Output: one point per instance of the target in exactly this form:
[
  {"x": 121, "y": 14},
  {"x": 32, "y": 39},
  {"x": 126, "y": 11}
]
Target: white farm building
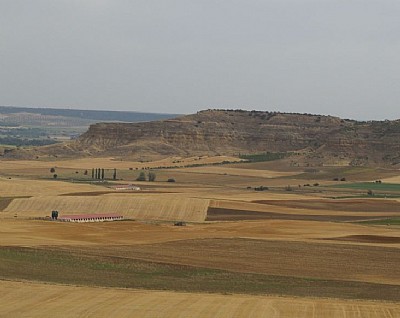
[{"x": 80, "y": 218}]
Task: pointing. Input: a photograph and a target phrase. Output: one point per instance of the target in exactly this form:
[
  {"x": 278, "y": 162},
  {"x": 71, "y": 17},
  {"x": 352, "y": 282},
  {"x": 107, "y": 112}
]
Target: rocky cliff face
[
  {"x": 319, "y": 139},
  {"x": 232, "y": 132}
]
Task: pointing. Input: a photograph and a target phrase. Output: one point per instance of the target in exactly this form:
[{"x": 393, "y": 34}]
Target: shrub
[
  {"x": 288, "y": 188},
  {"x": 52, "y": 170},
  {"x": 260, "y": 188},
  {"x": 55, "y": 176},
  {"x": 141, "y": 177}
]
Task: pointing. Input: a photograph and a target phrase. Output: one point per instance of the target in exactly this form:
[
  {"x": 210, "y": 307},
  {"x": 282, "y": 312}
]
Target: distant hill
[
  {"x": 310, "y": 139},
  {"x": 80, "y": 115},
  {"x": 23, "y": 126}
]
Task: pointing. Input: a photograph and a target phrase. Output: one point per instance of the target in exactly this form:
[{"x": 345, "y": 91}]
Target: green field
[{"x": 370, "y": 186}]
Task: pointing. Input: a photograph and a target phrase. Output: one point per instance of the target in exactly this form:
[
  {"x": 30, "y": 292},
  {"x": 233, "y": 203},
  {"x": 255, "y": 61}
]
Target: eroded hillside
[{"x": 321, "y": 139}]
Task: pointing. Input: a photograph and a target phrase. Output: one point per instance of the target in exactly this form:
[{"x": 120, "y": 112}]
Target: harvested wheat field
[
  {"x": 23, "y": 187},
  {"x": 144, "y": 207},
  {"x": 237, "y": 172},
  {"x": 22, "y": 299}
]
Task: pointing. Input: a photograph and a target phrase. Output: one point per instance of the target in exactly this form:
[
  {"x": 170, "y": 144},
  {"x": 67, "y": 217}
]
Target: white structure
[
  {"x": 127, "y": 187},
  {"x": 81, "y": 218}
]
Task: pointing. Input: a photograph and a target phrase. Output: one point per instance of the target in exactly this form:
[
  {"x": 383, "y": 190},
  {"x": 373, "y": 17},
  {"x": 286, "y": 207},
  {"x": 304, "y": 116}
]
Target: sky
[{"x": 332, "y": 57}]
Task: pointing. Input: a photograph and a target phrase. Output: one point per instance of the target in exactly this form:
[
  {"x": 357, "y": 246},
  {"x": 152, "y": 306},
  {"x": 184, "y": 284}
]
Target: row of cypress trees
[{"x": 99, "y": 174}]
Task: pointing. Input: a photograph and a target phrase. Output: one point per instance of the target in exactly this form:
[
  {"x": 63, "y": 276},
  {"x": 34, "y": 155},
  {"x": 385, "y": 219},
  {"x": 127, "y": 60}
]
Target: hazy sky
[{"x": 179, "y": 56}]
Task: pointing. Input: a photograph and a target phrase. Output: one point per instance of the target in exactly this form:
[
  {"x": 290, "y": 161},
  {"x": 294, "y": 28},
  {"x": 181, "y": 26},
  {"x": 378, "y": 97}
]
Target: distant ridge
[{"x": 91, "y": 115}]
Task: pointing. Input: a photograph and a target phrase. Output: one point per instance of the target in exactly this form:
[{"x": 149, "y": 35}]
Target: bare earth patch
[
  {"x": 369, "y": 239},
  {"x": 351, "y": 205},
  {"x": 220, "y": 214}
]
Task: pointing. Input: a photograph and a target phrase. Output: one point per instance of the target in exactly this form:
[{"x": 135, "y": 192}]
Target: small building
[
  {"x": 126, "y": 187},
  {"x": 83, "y": 218}
]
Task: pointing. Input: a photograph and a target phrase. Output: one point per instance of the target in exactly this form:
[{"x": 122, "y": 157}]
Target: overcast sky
[{"x": 179, "y": 56}]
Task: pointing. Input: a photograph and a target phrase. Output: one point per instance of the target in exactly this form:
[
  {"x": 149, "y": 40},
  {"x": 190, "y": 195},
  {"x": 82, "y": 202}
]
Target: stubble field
[{"x": 282, "y": 252}]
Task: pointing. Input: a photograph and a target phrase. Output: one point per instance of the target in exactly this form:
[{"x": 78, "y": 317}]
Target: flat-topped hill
[{"x": 322, "y": 139}]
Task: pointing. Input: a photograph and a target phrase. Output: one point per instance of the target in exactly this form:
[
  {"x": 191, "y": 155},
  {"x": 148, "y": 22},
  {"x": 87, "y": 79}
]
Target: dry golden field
[
  {"x": 137, "y": 206},
  {"x": 326, "y": 249},
  {"x": 27, "y": 299}
]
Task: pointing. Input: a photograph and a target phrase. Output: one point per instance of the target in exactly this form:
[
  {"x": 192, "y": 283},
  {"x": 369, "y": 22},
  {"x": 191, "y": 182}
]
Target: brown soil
[
  {"x": 369, "y": 239},
  {"x": 368, "y": 205},
  {"x": 221, "y": 214},
  {"x": 4, "y": 203}
]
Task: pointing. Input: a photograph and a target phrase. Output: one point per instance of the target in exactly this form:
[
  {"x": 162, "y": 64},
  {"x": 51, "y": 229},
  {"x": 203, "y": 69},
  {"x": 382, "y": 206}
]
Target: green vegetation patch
[
  {"x": 265, "y": 156},
  {"x": 91, "y": 270},
  {"x": 389, "y": 221},
  {"x": 370, "y": 186}
]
